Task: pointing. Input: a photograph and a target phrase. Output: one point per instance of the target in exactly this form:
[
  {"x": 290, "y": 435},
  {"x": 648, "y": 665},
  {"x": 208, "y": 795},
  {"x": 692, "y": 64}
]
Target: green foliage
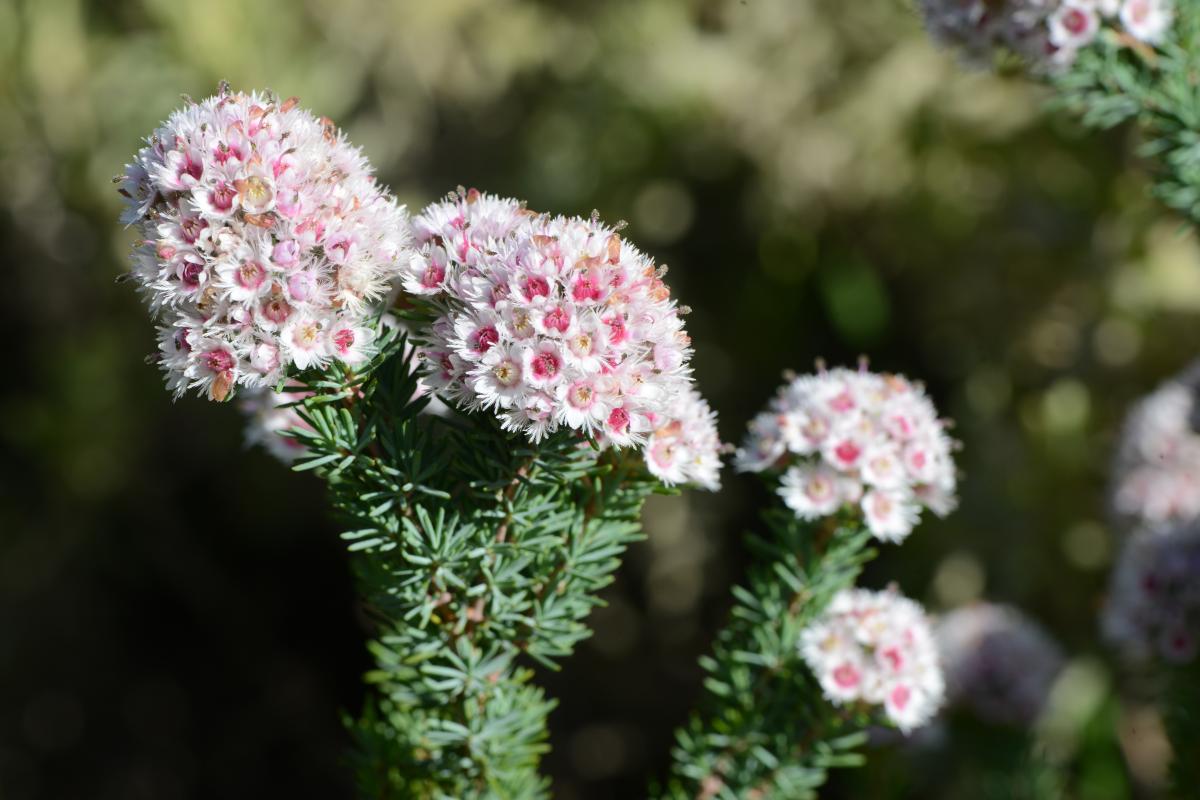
[
  {"x": 1119, "y": 79},
  {"x": 473, "y": 548},
  {"x": 765, "y": 730}
]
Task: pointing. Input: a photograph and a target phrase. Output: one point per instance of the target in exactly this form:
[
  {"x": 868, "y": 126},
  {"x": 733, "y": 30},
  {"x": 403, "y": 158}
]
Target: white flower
[
  {"x": 890, "y": 513},
  {"x": 877, "y": 648},
  {"x": 262, "y": 226},
  {"x": 1074, "y": 25},
  {"x": 811, "y": 491},
  {"x": 997, "y": 662},
  {"x": 1156, "y": 476},
  {"x": 851, "y": 439},
  {"x": 1148, "y": 20}
]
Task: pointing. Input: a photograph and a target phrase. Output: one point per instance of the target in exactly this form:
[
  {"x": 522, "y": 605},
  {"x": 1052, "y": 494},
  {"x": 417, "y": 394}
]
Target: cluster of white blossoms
[
  {"x": 855, "y": 439},
  {"x": 876, "y": 648},
  {"x": 1156, "y": 476},
  {"x": 547, "y": 321},
  {"x": 265, "y": 242},
  {"x": 997, "y": 662},
  {"x": 1153, "y": 604},
  {"x": 683, "y": 446},
  {"x": 1046, "y": 33}
]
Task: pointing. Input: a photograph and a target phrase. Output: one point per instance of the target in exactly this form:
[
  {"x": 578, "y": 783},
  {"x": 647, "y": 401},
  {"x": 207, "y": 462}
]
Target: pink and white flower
[
  {"x": 1047, "y": 34},
  {"x": 855, "y": 440},
  {"x": 261, "y": 222},
  {"x": 1148, "y": 20},
  {"x": 556, "y": 322},
  {"x": 876, "y": 648},
  {"x": 1156, "y": 475}
]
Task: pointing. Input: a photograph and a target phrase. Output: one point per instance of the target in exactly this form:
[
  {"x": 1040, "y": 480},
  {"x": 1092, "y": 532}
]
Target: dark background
[{"x": 176, "y": 614}]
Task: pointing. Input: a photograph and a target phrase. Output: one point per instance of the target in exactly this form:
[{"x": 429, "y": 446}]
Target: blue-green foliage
[
  {"x": 764, "y": 728},
  {"x": 478, "y": 554}
]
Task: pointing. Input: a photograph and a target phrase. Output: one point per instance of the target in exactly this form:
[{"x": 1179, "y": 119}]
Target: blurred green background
[{"x": 176, "y": 614}]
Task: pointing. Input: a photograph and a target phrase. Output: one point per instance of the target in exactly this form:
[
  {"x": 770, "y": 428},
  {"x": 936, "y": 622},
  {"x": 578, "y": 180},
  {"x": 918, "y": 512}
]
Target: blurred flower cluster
[
  {"x": 997, "y": 662},
  {"x": 1048, "y": 34},
  {"x": 1153, "y": 605}
]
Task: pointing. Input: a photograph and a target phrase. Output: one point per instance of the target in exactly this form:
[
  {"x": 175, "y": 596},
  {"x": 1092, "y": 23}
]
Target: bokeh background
[{"x": 177, "y": 618}]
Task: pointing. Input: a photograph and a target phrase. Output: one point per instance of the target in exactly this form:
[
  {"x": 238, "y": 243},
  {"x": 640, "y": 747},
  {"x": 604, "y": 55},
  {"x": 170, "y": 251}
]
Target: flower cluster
[
  {"x": 997, "y": 662},
  {"x": 683, "y": 446},
  {"x": 264, "y": 242},
  {"x": 1157, "y": 471},
  {"x": 1153, "y": 602},
  {"x": 855, "y": 439},
  {"x": 1046, "y": 33},
  {"x": 547, "y": 321},
  {"x": 877, "y": 648}
]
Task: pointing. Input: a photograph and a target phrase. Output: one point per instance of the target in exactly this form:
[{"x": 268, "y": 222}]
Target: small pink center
[
  {"x": 250, "y": 275},
  {"x": 843, "y": 402},
  {"x": 819, "y": 488},
  {"x": 433, "y": 276},
  {"x": 483, "y": 339},
  {"x": 535, "y": 286},
  {"x": 221, "y": 196},
  {"x": 191, "y": 272},
  {"x": 616, "y": 329},
  {"x": 1075, "y": 21},
  {"x": 582, "y": 395},
  {"x": 847, "y": 452},
  {"x": 586, "y": 288},
  {"x": 557, "y": 319},
  {"x": 893, "y": 657},
  {"x": 545, "y": 365},
  {"x": 846, "y": 676},
  {"x": 218, "y": 361},
  {"x": 191, "y": 167},
  {"x": 190, "y": 227},
  {"x": 277, "y": 310},
  {"x": 343, "y": 340},
  {"x": 618, "y": 420},
  {"x": 900, "y": 697}
]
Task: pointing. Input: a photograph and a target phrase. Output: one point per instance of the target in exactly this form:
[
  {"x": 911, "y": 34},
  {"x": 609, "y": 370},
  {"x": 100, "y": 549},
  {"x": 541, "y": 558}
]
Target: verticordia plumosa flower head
[
  {"x": 1047, "y": 34},
  {"x": 876, "y": 648},
  {"x": 855, "y": 439},
  {"x": 264, "y": 242},
  {"x": 1153, "y": 605},
  {"x": 549, "y": 322},
  {"x": 997, "y": 662},
  {"x": 683, "y": 446},
  {"x": 1156, "y": 477}
]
